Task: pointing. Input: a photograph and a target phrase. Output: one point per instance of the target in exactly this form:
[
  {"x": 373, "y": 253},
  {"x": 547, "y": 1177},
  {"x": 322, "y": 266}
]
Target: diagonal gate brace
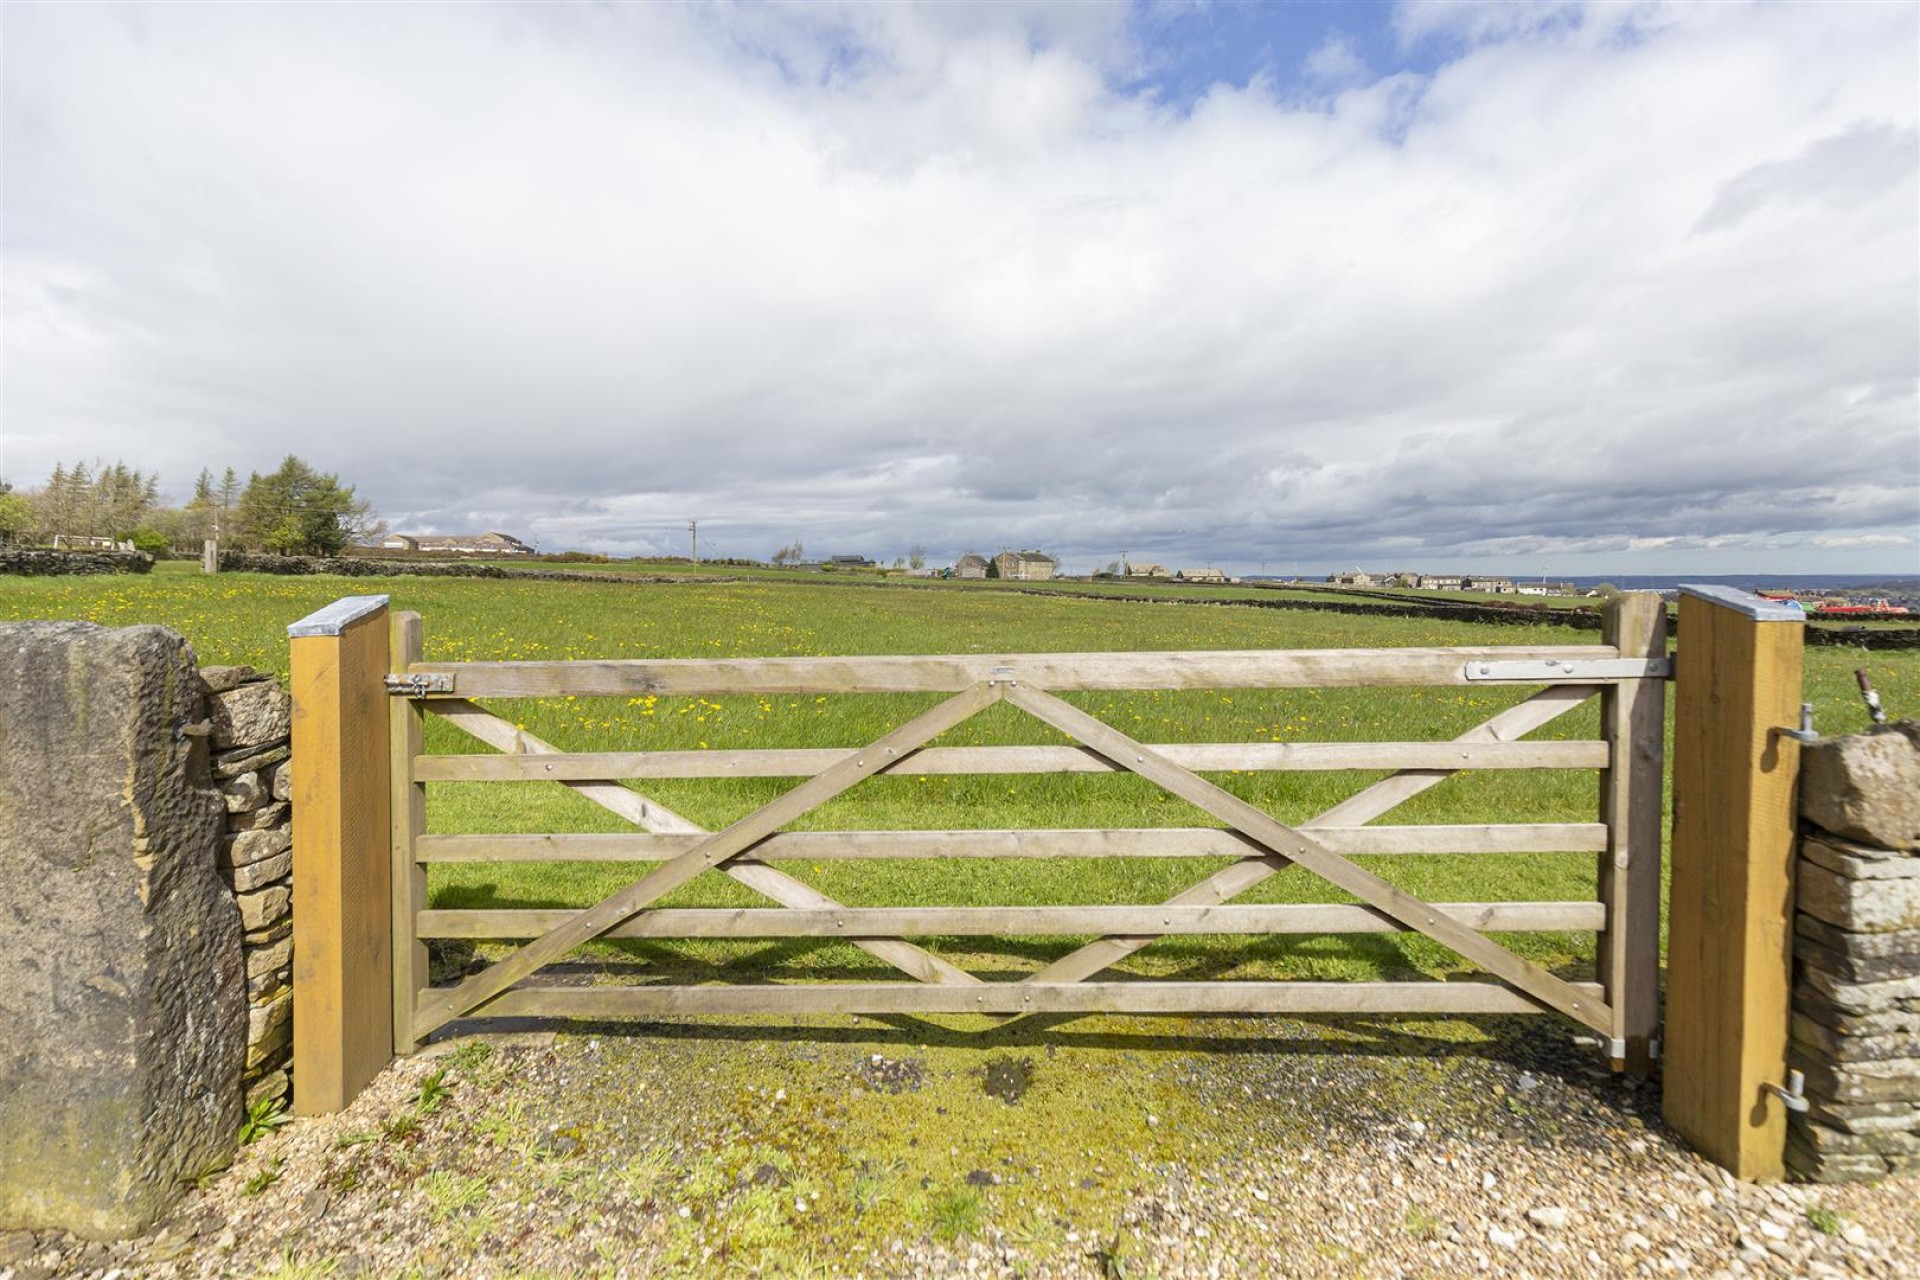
[
  {"x": 710, "y": 853},
  {"x": 1301, "y": 849}
]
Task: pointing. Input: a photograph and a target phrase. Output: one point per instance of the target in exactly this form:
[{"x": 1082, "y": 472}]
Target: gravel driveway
[{"x": 1099, "y": 1147}]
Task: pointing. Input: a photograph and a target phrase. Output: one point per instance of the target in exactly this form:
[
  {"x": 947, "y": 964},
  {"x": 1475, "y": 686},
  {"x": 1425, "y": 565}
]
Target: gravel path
[{"x": 1097, "y": 1148}]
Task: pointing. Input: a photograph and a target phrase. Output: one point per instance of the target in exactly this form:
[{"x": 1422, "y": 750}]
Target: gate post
[
  {"x": 1729, "y": 957},
  {"x": 342, "y": 965},
  {"x": 1633, "y": 719}
]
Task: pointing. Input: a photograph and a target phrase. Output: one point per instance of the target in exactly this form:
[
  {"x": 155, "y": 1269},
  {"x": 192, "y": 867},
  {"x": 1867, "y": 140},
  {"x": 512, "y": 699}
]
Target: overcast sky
[{"x": 1612, "y": 288}]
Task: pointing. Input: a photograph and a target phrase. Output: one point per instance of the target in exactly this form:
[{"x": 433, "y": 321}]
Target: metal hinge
[
  {"x": 1563, "y": 670},
  {"x": 418, "y": 685}
]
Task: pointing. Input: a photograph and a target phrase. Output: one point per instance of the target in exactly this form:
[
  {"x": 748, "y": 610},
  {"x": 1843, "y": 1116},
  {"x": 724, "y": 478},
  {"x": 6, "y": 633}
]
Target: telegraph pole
[{"x": 693, "y": 527}]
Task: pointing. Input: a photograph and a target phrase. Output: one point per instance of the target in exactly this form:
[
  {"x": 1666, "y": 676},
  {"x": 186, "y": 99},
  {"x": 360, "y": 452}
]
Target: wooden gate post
[
  {"x": 1633, "y": 719},
  {"x": 1730, "y": 920},
  {"x": 342, "y": 962}
]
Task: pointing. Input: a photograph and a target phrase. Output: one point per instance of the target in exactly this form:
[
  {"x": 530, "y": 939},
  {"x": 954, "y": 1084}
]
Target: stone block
[
  {"x": 1858, "y": 906},
  {"x": 1805, "y": 1163},
  {"x": 270, "y": 957},
  {"x": 250, "y": 715},
  {"x": 1861, "y": 997},
  {"x": 1826, "y": 1140},
  {"x": 1904, "y": 943},
  {"x": 1890, "y": 1080},
  {"x": 1868, "y": 1117},
  {"x": 264, "y": 907},
  {"x": 1865, "y": 787},
  {"x": 274, "y": 1086},
  {"x": 1858, "y": 861},
  {"x": 1895, "y": 1020},
  {"x": 269, "y": 1016},
  {"x": 261, "y": 986},
  {"x": 232, "y": 764},
  {"x": 272, "y": 935},
  {"x": 273, "y": 815},
  {"x": 1856, "y": 1048},
  {"x": 281, "y": 781},
  {"x": 1851, "y": 964},
  {"x": 244, "y": 793},
  {"x": 270, "y": 1046},
  {"x": 256, "y": 875},
  {"x": 122, "y": 986},
  {"x": 245, "y": 847},
  {"x": 221, "y": 679}
]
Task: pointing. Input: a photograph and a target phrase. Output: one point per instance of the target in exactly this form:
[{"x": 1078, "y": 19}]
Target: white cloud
[{"x": 872, "y": 275}]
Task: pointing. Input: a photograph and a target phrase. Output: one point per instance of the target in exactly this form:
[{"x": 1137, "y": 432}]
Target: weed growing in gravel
[
  {"x": 400, "y": 1126},
  {"x": 1421, "y": 1223},
  {"x": 260, "y": 1181},
  {"x": 503, "y": 1123},
  {"x": 290, "y": 1266},
  {"x": 449, "y": 1193},
  {"x": 433, "y": 1092},
  {"x": 264, "y": 1115},
  {"x": 956, "y": 1213},
  {"x": 348, "y": 1141},
  {"x": 643, "y": 1175},
  {"x": 206, "y": 1177},
  {"x": 1828, "y": 1222}
]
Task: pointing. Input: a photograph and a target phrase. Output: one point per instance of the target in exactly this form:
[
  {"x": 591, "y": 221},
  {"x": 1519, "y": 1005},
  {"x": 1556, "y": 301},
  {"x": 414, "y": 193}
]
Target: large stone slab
[
  {"x": 1858, "y": 906},
  {"x": 122, "y": 982},
  {"x": 1865, "y": 787},
  {"x": 252, "y": 715}
]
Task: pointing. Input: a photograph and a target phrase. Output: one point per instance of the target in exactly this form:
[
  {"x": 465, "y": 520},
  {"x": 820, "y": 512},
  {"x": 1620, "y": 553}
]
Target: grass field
[{"x": 240, "y": 618}]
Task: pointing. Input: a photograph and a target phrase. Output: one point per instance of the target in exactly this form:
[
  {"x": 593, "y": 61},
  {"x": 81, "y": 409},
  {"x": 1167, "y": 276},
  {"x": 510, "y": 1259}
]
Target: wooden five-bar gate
[{"x": 363, "y": 696}]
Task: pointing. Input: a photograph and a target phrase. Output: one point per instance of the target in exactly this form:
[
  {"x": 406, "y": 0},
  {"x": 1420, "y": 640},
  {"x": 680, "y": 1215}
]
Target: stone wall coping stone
[
  {"x": 333, "y": 619},
  {"x": 1859, "y": 861}
]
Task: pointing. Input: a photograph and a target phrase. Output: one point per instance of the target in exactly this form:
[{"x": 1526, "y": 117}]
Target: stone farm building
[
  {"x": 484, "y": 544},
  {"x": 1143, "y": 569},
  {"x": 1208, "y": 574},
  {"x": 970, "y": 565},
  {"x": 1025, "y": 566}
]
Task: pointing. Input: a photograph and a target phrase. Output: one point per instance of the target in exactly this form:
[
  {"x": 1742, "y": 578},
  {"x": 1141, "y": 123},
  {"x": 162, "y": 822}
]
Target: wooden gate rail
[{"x": 1627, "y": 671}]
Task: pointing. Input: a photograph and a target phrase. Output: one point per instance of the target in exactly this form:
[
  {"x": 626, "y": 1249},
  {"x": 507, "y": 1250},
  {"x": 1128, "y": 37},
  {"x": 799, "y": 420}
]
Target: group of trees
[{"x": 294, "y": 510}]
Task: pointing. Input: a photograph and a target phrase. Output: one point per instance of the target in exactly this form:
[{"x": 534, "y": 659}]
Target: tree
[
  {"x": 917, "y": 556},
  {"x": 16, "y": 514},
  {"x": 299, "y": 511},
  {"x": 787, "y": 555}
]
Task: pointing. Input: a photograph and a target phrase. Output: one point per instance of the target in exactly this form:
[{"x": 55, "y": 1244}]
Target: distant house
[
  {"x": 1358, "y": 578},
  {"x": 1544, "y": 588},
  {"x": 1208, "y": 574},
  {"x": 1025, "y": 566},
  {"x": 1143, "y": 569},
  {"x": 484, "y": 544},
  {"x": 1440, "y": 582},
  {"x": 970, "y": 565},
  {"x": 1495, "y": 586},
  {"x": 846, "y": 562}
]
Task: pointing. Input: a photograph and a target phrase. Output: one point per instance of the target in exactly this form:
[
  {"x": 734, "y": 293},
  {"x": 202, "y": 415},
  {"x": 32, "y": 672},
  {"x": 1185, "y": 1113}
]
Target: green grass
[{"x": 239, "y": 618}]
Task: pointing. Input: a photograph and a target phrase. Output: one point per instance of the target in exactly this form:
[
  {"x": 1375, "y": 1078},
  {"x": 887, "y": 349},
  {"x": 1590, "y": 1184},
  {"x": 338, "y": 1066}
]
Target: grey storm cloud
[{"x": 1607, "y": 284}]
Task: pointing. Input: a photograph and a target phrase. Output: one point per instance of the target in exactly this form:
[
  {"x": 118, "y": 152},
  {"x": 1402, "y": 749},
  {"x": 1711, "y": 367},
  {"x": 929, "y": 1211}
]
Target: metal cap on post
[
  {"x": 342, "y": 984},
  {"x": 1735, "y": 759}
]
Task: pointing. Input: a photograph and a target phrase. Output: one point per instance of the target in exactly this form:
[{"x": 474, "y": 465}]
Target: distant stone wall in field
[
  {"x": 1856, "y": 996},
  {"x": 37, "y": 564},
  {"x": 375, "y": 567},
  {"x": 250, "y": 724}
]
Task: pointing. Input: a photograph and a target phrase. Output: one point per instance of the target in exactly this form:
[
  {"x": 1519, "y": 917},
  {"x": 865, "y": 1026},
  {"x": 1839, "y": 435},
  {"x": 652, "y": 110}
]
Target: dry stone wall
[
  {"x": 37, "y": 563},
  {"x": 250, "y": 722},
  {"x": 1856, "y": 997}
]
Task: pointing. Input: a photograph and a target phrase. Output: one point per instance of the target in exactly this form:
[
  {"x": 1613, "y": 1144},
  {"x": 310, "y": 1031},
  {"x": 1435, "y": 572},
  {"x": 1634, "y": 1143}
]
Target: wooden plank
[
  {"x": 1094, "y": 842},
  {"x": 1178, "y": 998},
  {"x": 407, "y": 806},
  {"x": 1201, "y": 669},
  {"x": 1362, "y": 807},
  {"x": 653, "y": 816},
  {"x": 1633, "y": 717},
  {"x": 342, "y": 959},
  {"x": 715, "y": 850},
  {"x": 1731, "y": 909},
  {"x": 1304, "y": 851},
  {"x": 893, "y": 922},
  {"x": 1213, "y": 757}
]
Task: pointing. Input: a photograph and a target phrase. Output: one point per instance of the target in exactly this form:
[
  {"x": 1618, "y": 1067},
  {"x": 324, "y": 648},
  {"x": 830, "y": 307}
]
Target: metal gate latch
[
  {"x": 418, "y": 685},
  {"x": 1563, "y": 670}
]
